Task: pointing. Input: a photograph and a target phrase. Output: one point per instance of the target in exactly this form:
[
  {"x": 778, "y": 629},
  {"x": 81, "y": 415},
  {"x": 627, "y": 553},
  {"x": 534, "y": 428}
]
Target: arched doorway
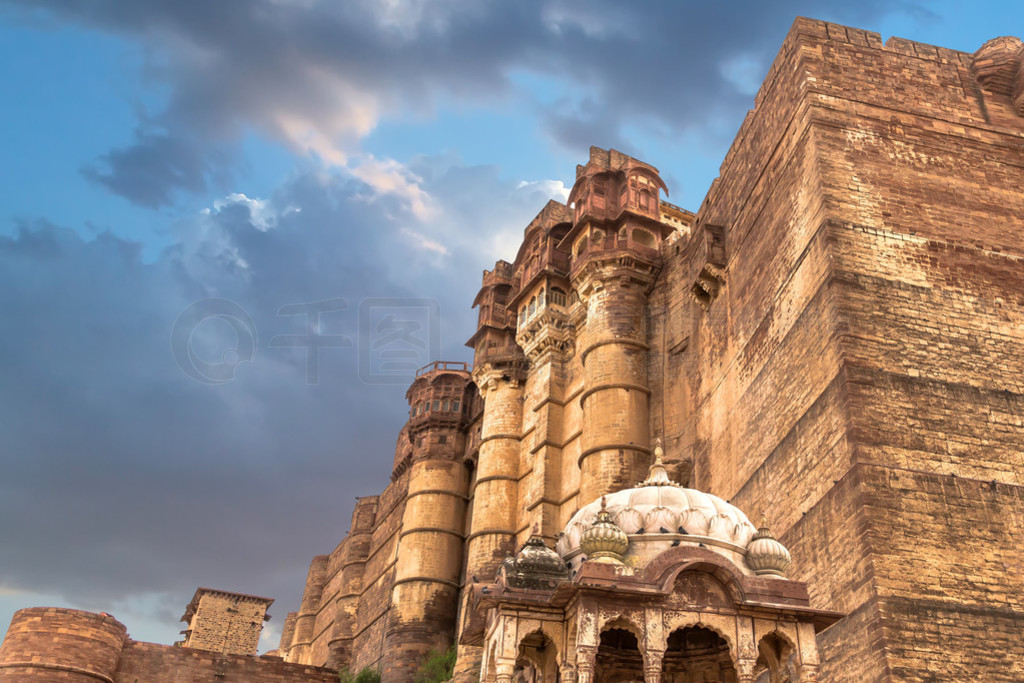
[
  {"x": 618, "y": 657},
  {"x": 536, "y": 659},
  {"x": 694, "y": 653},
  {"x": 775, "y": 660}
]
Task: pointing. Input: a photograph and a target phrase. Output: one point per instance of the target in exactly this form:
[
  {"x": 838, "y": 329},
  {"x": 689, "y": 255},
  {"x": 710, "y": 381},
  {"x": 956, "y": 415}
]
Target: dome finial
[
  {"x": 765, "y": 555},
  {"x": 604, "y": 541},
  {"x": 658, "y": 475}
]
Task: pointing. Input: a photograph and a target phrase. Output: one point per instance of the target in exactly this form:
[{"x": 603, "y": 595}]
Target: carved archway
[
  {"x": 536, "y": 659},
  {"x": 697, "y": 653},
  {"x": 619, "y": 658}
]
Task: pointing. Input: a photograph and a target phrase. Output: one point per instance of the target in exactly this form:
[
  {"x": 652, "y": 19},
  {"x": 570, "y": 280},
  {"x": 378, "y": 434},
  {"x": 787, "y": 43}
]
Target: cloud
[
  {"x": 156, "y": 166},
  {"x": 318, "y": 76},
  {"x": 127, "y": 483}
]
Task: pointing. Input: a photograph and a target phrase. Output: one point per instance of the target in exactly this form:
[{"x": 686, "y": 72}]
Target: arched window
[
  {"x": 437, "y": 405},
  {"x": 456, "y": 405},
  {"x": 533, "y": 307},
  {"x": 557, "y": 297},
  {"x": 522, "y": 316},
  {"x": 540, "y": 300},
  {"x": 646, "y": 199},
  {"x": 445, "y": 405}
]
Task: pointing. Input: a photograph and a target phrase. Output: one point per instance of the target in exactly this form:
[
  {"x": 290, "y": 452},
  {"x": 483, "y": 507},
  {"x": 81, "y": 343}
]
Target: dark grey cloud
[
  {"x": 156, "y": 166},
  {"x": 321, "y": 74},
  {"x": 124, "y": 477}
]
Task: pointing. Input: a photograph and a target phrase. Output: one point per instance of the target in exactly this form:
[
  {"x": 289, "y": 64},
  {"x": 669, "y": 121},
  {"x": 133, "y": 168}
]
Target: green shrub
[
  {"x": 367, "y": 675},
  {"x": 438, "y": 666}
]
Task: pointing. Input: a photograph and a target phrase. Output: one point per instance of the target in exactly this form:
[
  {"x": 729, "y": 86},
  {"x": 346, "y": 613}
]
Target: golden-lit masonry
[{"x": 835, "y": 340}]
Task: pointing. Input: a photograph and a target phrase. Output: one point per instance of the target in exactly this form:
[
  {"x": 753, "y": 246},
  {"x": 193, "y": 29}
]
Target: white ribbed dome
[
  {"x": 659, "y": 513},
  {"x": 652, "y": 509}
]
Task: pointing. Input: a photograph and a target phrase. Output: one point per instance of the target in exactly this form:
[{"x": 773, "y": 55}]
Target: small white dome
[{"x": 765, "y": 555}]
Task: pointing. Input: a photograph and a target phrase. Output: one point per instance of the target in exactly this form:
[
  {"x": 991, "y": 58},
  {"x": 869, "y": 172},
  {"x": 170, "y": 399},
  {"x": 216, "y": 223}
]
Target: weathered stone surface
[{"x": 834, "y": 339}]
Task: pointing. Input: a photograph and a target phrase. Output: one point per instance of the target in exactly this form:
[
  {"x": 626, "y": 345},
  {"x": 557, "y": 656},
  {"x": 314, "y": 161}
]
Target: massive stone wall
[
  {"x": 834, "y": 339},
  {"x": 867, "y": 349}
]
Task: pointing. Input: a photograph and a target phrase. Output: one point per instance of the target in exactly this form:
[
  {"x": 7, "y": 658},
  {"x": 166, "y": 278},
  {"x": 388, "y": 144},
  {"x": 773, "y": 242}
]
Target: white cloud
[
  {"x": 388, "y": 177},
  {"x": 554, "y": 189},
  {"x": 270, "y": 637},
  {"x": 424, "y": 242},
  {"x": 261, "y": 215}
]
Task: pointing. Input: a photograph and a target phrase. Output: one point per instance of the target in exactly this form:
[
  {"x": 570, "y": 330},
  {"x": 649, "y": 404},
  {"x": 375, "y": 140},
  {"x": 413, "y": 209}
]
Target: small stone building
[{"x": 222, "y": 621}]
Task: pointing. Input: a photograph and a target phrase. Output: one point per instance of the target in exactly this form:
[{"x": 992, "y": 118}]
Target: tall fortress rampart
[{"x": 835, "y": 340}]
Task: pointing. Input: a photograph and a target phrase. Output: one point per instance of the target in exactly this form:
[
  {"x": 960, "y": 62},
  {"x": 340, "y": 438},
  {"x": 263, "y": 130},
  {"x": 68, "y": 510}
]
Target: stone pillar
[
  {"x": 505, "y": 669},
  {"x": 357, "y": 549},
  {"x": 568, "y": 672},
  {"x": 586, "y": 657},
  {"x": 807, "y": 673},
  {"x": 745, "y": 670},
  {"x": 492, "y": 529},
  {"x": 653, "y": 665},
  {"x": 305, "y": 622},
  {"x": 616, "y": 439}
]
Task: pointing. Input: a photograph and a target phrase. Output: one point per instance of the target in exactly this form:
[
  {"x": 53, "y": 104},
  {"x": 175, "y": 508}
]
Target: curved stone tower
[
  {"x": 615, "y": 243},
  {"x": 425, "y": 592},
  {"x": 353, "y": 563},
  {"x": 51, "y": 643}
]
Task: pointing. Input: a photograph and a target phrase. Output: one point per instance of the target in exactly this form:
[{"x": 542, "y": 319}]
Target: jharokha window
[{"x": 643, "y": 238}]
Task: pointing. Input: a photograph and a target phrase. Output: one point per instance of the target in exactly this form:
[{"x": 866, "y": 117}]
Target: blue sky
[{"x": 279, "y": 152}]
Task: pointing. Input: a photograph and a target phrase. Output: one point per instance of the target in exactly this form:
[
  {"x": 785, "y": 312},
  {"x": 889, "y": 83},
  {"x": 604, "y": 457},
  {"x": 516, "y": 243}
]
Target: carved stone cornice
[
  {"x": 548, "y": 334},
  {"x": 614, "y": 269},
  {"x": 488, "y": 377}
]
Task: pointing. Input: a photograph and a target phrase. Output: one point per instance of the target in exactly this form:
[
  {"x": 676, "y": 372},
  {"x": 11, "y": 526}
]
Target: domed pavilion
[{"x": 657, "y": 583}]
